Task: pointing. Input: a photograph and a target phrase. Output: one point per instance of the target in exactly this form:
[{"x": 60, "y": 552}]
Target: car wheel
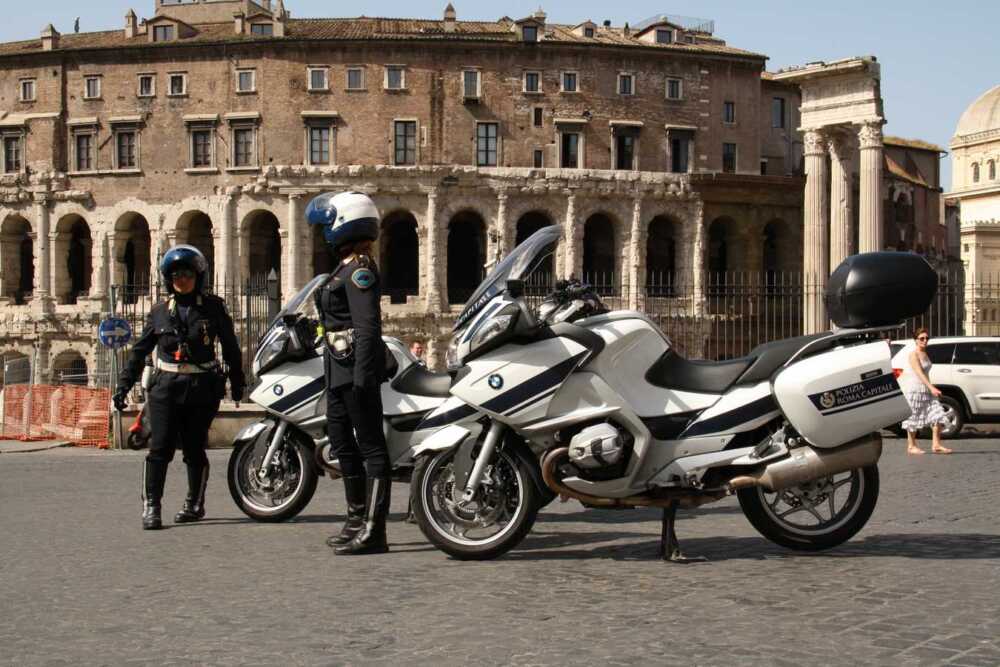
[{"x": 954, "y": 417}]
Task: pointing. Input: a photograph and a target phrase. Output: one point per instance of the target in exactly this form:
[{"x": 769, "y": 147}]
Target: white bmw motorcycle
[
  {"x": 275, "y": 462},
  {"x": 619, "y": 420}
]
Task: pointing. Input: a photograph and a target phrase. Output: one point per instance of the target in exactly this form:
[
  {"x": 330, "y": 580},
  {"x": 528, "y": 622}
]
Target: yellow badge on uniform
[{"x": 363, "y": 278}]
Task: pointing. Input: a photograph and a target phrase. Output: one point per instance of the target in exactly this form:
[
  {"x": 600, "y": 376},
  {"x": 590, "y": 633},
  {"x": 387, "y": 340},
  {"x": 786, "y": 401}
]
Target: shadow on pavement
[{"x": 608, "y": 516}]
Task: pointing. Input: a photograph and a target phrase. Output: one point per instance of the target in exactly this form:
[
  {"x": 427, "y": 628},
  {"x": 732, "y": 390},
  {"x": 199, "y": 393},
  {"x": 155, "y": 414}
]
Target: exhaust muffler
[{"x": 805, "y": 464}]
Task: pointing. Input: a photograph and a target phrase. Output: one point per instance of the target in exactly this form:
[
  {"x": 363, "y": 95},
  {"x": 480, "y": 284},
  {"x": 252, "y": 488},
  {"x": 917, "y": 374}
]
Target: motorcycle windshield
[
  {"x": 302, "y": 301},
  {"x": 518, "y": 265}
]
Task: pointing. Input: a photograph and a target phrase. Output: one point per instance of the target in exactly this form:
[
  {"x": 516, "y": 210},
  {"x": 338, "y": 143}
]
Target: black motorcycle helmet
[{"x": 183, "y": 256}]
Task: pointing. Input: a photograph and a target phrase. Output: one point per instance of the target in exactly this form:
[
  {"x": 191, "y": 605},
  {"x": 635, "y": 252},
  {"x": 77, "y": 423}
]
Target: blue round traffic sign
[{"x": 114, "y": 332}]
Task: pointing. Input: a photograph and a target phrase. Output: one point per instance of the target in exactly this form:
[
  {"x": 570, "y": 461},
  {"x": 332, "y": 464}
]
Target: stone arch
[
  {"x": 399, "y": 256},
  {"x": 780, "y": 251},
  {"x": 662, "y": 237},
  {"x": 195, "y": 228},
  {"x": 261, "y": 231},
  {"x": 69, "y": 367},
  {"x": 466, "y": 254},
  {"x": 131, "y": 252},
  {"x": 529, "y": 223},
  {"x": 17, "y": 259},
  {"x": 74, "y": 266},
  {"x": 600, "y": 253},
  {"x": 722, "y": 247}
]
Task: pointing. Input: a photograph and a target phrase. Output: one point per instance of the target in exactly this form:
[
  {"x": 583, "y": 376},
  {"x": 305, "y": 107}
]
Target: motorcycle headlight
[
  {"x": 497, "y": 325},
  {"x": 267, "y": 355},
  {"x": 451, "y": 358}
]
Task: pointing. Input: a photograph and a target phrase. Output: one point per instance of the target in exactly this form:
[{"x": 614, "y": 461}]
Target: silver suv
[{"x": 967, "y": 371}]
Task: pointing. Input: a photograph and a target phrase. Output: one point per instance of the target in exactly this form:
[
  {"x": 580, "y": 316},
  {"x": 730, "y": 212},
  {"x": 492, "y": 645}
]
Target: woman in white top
[{"x": 922, "y": 397}]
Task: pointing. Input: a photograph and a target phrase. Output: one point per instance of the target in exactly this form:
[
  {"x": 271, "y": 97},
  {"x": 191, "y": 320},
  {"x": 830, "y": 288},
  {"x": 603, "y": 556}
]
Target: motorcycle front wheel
[
  {"x": 493, "y": 523},
  {"x": 284, "y": 492},
  {"x": 817, "y": 515}
]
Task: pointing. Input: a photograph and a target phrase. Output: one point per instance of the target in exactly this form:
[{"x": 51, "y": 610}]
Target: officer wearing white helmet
[{"x": 355, "y": 362}]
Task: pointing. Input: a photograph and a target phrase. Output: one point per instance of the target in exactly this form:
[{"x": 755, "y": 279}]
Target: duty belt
[{"x": 184, "y": 369}]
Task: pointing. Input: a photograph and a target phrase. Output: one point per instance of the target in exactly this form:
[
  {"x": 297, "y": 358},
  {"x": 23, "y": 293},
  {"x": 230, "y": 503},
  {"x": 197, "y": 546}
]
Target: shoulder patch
[{"x": 363, "y": 278}]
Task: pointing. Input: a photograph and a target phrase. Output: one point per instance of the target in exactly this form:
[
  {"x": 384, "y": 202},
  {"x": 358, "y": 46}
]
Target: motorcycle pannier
[{"x": 879, "y": 288}]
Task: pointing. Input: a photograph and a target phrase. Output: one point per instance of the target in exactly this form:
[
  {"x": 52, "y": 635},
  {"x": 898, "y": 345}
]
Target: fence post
[
  {"x": 273, "y": 297},
  {"x": 116, "y": 415}
]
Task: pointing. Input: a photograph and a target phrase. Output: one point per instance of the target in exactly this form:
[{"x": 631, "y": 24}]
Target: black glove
[
  {"x": 121, "y": 399},
  {"x": 237, "y": 394}
]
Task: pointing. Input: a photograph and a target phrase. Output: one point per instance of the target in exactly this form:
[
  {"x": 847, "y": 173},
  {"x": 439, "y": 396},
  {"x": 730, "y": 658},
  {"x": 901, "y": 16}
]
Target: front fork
[
  {"x": 272, "y": 449},
  {"x": 486, "y": 452}
]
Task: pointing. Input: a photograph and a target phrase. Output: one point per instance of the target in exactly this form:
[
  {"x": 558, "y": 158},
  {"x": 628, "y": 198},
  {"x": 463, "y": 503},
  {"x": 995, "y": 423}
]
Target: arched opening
[
  {"x": 69, "y": 367},
  {"x": 975, "y": 173},
  {"x": 132, "y": 256},
  {"x": 661, "y": 257},
  {"x": 195, "y": 228},
  {"x": 322, "y": 256},
  {"x": 992, "y": 169},
  {"x": 262, "y": 232},
  {"x": 74, "y": 244},
  {"x": 17, "y": 249},
  {"x": 720, "y": 238},
  {"x": 542, "y": 280},
  {"x": 466, "y": 255},
  {"x": 399, "y": 256},
  {"x": 599, "y": 253}
]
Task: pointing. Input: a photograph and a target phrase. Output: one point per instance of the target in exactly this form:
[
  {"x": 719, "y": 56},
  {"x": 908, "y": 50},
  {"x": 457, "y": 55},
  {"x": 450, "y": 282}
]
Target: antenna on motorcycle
[{"x": 515, "y": 288}]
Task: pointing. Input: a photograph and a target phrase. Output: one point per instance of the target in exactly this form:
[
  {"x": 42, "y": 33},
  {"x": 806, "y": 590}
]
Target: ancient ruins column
[
  {"x": 433, "y": 288},
  {"x": 573, "y": 266},
  {"x": 698, "y": 249},
  {"x": 103, "y": 266},
  {"x": 816, "y": 258},
  {"x": 636, "y": 258},
  {"x": 499, "y": 230},
  {"x": 226, "y": 274},
  {"x": 294, "y": 282},
  {"x": 840, "y": 201},
  {"x": 871, "y": 234},
  {"x": 43, "y": 277}
]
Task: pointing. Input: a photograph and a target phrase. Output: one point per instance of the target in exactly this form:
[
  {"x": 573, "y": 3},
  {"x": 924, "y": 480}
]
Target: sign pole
[{"x": 116, "y": 415}]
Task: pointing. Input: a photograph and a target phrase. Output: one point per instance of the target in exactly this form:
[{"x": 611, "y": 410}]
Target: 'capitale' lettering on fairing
[{"x": 855, "y": 393}]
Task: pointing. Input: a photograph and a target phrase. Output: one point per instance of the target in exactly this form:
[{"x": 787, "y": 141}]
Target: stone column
[
  {"x": 840, "y": 201},
  {"x": 501, "y": 227},
  {"x": 294, "y": 282},
  {"x": 636, "y": 258},
  {"x": 226, "y": 274},
  {"x": 699, "y": 248},
  {"x": 871, "y": 233},
  {"x": 103, "y": 267},
  {"x": 51, "y": 269},
  {"x": 43, "y": 275},
  {"x": 816, "y": 257},
  {"x": 573, "y": 266},
  {"x": 431, "y": 259}
]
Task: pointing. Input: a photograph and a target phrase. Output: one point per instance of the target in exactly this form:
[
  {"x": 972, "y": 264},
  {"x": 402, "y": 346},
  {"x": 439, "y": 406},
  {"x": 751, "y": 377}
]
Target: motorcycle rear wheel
[
  {"x": 249, "y": 493},
  {"x": 810, "y": 517}
]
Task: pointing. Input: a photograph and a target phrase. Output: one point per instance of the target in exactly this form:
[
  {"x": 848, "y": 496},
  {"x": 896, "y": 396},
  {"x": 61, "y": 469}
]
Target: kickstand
[{"x": 670, "y": 548}]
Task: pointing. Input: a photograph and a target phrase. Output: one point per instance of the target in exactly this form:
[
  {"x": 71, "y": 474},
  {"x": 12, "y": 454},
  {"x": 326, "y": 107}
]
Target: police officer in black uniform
[
  {"x": 188, "y": 382},
  {"x": 355, "y": 361}
]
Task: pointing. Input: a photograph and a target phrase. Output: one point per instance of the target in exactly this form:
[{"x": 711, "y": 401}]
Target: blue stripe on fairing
[
  {"x": 445, "y": 418},
  {"x": 727, "y": 421},
  {"x": 300, "y": 396},
  {"x": 531, "y": 402},
  {"x": 482, "y": 320},
  {"x": 532, "y": 388}
]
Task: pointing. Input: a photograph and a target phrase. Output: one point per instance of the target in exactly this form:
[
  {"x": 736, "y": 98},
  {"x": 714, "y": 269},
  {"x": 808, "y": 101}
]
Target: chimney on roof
[
  {"x": 280, "y": 16},
  {"x": 50, "y": 38},
  {"x": 131, "y": 25},
  {"x": 449, "y": 18},
  {"x": 626, "y": 30},
  {"x": 239, "y": 21},
  {"x": 607, "y": 23}
]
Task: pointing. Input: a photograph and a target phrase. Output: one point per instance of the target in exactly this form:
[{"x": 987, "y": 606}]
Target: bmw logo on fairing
[
  {"x": 278, "y": 390},
  {"x": 496, "y": 382}
]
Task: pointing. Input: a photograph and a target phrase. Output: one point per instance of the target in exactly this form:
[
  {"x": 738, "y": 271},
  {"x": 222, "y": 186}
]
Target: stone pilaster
[
  {"x": 699, "y": 251},
  {"x": 636, "y": 257},
  {"x": 42, "y": 297},
  {"x": 500, "y": 228},
  {"x": 104, "y": 264},
  {"x": 433, "y": 286},
  {"x": 293, "y": 252},
  {"x": 816, "y": 257},
  {"x": 573, "y": 264},
  {"x": 226, "y": 273},
  {"x": 871, "y": 232},
  {"x": 840, "y": 200}
]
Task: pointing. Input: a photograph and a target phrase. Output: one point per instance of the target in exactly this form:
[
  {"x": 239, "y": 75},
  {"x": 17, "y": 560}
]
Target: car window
[
  {"x": 941, "y": 354},
  {"x": 894, "y": 348},
  {"x": 974, "y": 354}
]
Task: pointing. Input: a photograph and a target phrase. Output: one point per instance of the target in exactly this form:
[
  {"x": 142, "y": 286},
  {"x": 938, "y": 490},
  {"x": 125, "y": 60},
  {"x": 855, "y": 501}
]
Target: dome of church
[{"x": 982, "y": 115}]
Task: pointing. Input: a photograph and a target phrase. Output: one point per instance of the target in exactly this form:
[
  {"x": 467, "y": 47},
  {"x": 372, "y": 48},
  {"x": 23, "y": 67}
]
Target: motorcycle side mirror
[
  {"x": 289, "y": 319},
  {"x": 515, "y": 288}
]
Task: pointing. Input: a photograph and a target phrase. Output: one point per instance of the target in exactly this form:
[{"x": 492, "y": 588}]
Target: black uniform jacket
[
  {"x": 167, "y": 330},
  {"x": 350, "y": 300}
]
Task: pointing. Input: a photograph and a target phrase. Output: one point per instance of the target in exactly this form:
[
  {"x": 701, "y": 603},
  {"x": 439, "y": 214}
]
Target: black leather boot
[
  {"x": 154, "y": 475},
  {"x": 371, "y": 538},
  {"x": 194, "y": 504},
  {"x": 356, "y": 492}
]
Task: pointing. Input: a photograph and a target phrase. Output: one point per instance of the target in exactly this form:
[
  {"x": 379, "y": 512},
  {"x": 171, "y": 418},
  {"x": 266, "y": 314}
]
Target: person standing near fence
[
  {"x": 355, "y": 364},
  {"x": 188, "y": 382},
  {"x": 922, "y": 397}
]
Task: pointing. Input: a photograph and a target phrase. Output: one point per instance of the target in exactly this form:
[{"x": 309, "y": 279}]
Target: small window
[
  {"x": 570, "y": 155},
  {"x": 318, "y": 79},
  {"x": 84, "y": 145},
  {"x": 244, "y": 149},
  {"x": 532, "y": 82},
  {"x": 27, "y": 90},
  {"x": 395, "y": 78},
  {"x": 763, "y": 167},
  {"x": 539, "y": 158},
  {"x": 679, "y": 147},
  {"x": 729, "y": 112},
  {"x": 486, "y": 144},
  {"x": 163, "y": 33},
  {"x": 178, "y": 85},
  {"x": 201, "y": 148},
  {"x": 263, "y": 29},
  {"x": 975, "y": 173},
  {"x": 626, "y": 84},
  {"x": 729, "y": 158},
  {"x": 569, "y": 82},
  {"x": 125, "y": 149},
  {"x": 355, "y": 78},
  {"x": 147, "y": 85},
  {"x": 588, "y": 32},
  {"x": 470, "y": 84},
  {"x": 993, "y": 170},
  {"x": 664, "y": 36},
  {"x": 530, "y": 33},
  {"x": 12, "y": 154},
  {"x": 246, "y": 81},
  {"x": 319, "y": 145},
  {"x": 674, "y": 89},
  {"x": 92, "y": 88},
  {"x": 405, "y": 142},
  {"x": 538, "y": 116},
  {"x": 625, "y": 152},
  {"x": 778, "y": 112}
]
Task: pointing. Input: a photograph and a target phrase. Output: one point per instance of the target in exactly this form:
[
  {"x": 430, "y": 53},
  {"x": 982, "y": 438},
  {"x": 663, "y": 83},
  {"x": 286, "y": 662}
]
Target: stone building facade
[{"x": 660, "y": 150}]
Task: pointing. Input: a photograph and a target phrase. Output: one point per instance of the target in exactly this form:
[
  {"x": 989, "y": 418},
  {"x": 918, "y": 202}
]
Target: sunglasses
[
  {"x": 923, "y": 338},
  {"x": 182, "y": 273}
]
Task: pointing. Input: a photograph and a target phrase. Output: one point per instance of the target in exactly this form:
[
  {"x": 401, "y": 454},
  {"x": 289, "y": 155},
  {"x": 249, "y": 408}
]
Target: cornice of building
[{"x": 964, "y": 141}]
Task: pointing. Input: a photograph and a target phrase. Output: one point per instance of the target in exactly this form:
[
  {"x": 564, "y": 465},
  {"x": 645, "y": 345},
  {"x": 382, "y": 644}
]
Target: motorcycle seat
[
  {"x": 672, "y": 371},
  {"x": 769, "y": 357},
  {"x": 419, "y": 381}
]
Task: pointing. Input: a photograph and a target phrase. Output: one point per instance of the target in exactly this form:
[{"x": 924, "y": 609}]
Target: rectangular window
[
  {"x": 729, "y": 158},
  {"x": 125, "y": 150},
  {"x": 679, "y": 147},
  {"x": 538, "y": 118},
  {"x": 244, "y": 154},
  {"x": 626, "y": 84},
  {"x": 977, "y": 354},
  {"x": 588, "y": 32},
  {"x": 674, "y": 89},
  {"x": 246, "y": 81},
  {"x": 355, "y": 78},
  {"x": 12, "y": 154},
  {"x": 532, "y": 82},
  {"x": 163, "y": 33},
  {"x": 778, "y": 112},
  {"x": 319, "y": 145},
  {"x": 27, "y": 90},
  {"x": 570, "y": 157},
  {"x": 84, "y": 152},
  {"x": 763, "y": 167},
  {"x": 486, "y": 144},
  {"x": 539, "y": 158},
  {"x": 569, "y": 82},
  {"x": 624, "y": 151},
  {"x": 729, "y": 112},
  {"x": 664, "y": 36},
  {"x": 406, "y": 142},
  {"x": 147, "y": 85},
  {"x": 201, "y": 149},
  {"x": 178, "y": 84},
  {"x": 92, "y": 88},
  {"x": 470, "y": 84},
  {"x": 318, "y": 79},
  {"x": 264, "y": 29},
  {"x": 395, "y": 78},
  {"x": 530, "y": 33}
]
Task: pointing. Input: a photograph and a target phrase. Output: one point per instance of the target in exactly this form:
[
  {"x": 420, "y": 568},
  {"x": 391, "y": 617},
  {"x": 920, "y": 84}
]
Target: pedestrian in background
[
  {"x": 417, "y": 350},
  {"x": 922, "y": 397}
]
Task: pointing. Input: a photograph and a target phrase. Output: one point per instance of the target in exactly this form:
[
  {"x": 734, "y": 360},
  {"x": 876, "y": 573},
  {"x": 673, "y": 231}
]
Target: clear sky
[{"x": 937, "y": 57}]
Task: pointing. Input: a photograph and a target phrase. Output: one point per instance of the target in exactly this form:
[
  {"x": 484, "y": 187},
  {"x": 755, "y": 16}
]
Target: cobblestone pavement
[{"x": 80, "y": 583}]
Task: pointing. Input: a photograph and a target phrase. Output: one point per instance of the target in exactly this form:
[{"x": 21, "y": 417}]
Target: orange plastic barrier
[{"x": 79, "y": 415}]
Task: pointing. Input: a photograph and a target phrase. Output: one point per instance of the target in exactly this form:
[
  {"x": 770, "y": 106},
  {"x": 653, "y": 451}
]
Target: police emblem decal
[
  {"x": 363, "y": 278},
  {"x": 495, "y": 382},
  {"x": 828, "y": 400},
  {"x": 278, "y": 390}
]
